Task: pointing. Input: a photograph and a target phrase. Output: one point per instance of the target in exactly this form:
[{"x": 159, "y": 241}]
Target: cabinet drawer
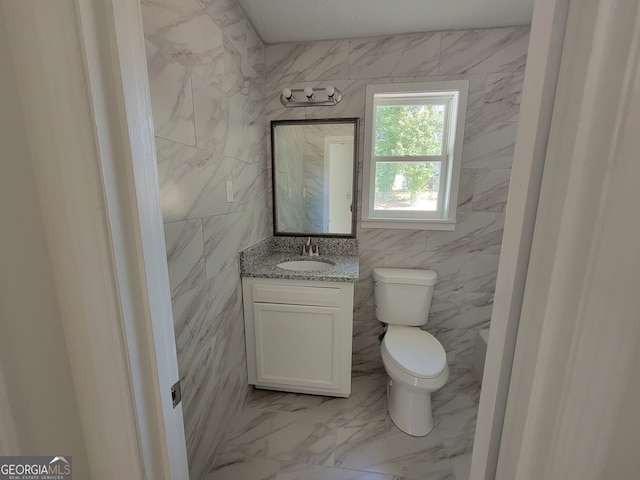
[{"x": 297, "y": 295}]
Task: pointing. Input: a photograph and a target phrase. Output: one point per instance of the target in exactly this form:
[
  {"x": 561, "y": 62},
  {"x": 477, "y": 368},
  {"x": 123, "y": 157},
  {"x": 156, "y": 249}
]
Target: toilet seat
[{"x": 415, "y": 351}]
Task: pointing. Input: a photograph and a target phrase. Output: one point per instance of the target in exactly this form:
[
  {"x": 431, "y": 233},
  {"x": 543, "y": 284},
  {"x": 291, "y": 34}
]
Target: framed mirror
[{"x": 314, "y": 165}]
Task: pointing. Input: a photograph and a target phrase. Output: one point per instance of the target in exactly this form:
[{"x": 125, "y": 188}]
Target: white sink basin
[{"x": 305, "y": 265}]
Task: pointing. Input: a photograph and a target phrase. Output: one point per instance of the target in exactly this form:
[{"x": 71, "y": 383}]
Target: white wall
[{"x": 33, "y": 353}]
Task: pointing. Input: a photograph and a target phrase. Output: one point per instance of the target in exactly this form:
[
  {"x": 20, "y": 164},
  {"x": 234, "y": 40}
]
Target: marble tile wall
[
  {"x": 206, "y": 74},
  {"x": 291, "y": 144},
  {"x": 466, "y": 260}
]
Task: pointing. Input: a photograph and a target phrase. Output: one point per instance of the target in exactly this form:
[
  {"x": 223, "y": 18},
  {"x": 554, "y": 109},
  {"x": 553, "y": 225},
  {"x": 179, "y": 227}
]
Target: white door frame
[
  {"x": 536, "y": 108},
  {"x": 85, "y": 96},
  {"x": 573, "y": 368},
  {"x": 328, "y": 141},
  {"x": 94, "y": 165},
  {"x": 572, "y": 402}
]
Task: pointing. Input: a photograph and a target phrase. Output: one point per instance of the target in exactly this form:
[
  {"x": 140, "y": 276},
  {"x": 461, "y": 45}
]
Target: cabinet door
[{"x": 297, "y": 345}]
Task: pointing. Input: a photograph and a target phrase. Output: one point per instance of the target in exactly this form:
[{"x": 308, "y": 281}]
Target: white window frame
[{"x": 454, "y": 93}]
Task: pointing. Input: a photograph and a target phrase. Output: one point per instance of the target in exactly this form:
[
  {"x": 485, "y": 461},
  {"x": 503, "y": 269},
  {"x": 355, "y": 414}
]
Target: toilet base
[{"x": 409, "y": 409}]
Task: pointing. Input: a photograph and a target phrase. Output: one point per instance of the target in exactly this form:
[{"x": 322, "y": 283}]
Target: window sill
[{"x": 439, "y": 225}]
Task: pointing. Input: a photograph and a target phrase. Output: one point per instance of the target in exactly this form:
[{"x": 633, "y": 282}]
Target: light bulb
[
  {"x": 330, "y": 91},
  {"x": 308, "y": 91},
  {"x": 286, "y": 93}
]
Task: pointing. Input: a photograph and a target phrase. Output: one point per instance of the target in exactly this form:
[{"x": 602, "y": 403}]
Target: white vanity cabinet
[{"x": 298, "y": 335}]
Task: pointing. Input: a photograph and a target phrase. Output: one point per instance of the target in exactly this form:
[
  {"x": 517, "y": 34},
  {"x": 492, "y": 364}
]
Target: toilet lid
[{"x": 415, "y": 351}]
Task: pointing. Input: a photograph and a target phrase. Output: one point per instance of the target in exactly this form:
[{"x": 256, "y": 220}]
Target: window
[{"x": 413, "y": 147}]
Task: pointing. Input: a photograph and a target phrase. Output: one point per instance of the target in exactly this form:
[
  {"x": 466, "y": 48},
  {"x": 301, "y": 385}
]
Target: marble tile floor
[{"x": 287, "y": 436}]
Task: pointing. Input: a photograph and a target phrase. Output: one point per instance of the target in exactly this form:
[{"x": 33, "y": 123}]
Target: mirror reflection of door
[
  {"x": 338, "y": 170},
  {"x": 314, "y": 176}
]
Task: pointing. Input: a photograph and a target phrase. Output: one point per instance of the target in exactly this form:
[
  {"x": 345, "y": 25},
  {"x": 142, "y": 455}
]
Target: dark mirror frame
[{"x": 354, "y": 195}]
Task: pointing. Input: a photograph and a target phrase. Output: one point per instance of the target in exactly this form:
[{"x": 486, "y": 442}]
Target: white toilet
[{"x": 414, "y": 360}]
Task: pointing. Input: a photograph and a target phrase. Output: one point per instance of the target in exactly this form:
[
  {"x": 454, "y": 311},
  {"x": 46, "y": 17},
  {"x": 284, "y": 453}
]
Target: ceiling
[{"x": 305, "y": 20}]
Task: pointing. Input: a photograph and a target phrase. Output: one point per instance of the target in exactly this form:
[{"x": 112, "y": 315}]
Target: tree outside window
[
  {"x": 413, "y": 150},
  {"x": 408, "y": 131}
]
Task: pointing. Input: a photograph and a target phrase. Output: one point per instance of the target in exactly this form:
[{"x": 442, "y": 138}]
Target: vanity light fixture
[
  {"x": 308, "y": 91},
  {"x": 333, "y": 96}
]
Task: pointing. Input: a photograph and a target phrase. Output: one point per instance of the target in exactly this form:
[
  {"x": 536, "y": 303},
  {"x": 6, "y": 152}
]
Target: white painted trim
[
  {"x": 48, "y": 58},
  {"x": 85, "y": 99},
  {"x": 120, "y": 90},
  {"x": 579, "y": 340},
  {"x": 142, "y": 178},
  {"x": 459, "y": 90},
  {"x": 543, "y": 63},
  {"x": 412, "y": 224}
]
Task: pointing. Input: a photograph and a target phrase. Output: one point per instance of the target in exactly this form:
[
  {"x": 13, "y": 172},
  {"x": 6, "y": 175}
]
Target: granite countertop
[{"x": 346, "y": 269}]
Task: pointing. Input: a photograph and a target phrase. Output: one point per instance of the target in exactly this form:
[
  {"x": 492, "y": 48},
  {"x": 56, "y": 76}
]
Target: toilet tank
[{"x": 403, "y": 296}]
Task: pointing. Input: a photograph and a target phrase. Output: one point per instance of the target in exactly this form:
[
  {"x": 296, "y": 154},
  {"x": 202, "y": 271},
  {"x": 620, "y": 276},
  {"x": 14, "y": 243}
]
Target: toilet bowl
[
  {"x": 416, "y": 364},
  {"x": 414, "y": 360}
]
